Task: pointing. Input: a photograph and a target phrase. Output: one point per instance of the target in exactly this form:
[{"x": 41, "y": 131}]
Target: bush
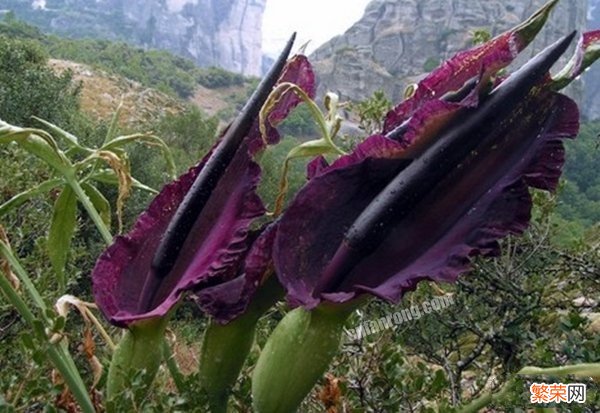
[
  {"x": 300, "y": 123},
  {"x": 28, "y": 87},
  {"x": 215, "y": 77}
]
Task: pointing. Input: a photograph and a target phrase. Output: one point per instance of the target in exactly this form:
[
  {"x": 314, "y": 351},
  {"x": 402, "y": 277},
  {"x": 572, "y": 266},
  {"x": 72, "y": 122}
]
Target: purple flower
[
  {"x": 195, "y": 235},
  {"x": 448, "y": 178}
]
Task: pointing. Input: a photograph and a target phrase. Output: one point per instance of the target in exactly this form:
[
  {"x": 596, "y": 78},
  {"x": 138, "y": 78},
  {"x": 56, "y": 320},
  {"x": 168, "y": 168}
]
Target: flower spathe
[
  {"x": 217, "y": 255},
  {"x": 474, "y": 201}
]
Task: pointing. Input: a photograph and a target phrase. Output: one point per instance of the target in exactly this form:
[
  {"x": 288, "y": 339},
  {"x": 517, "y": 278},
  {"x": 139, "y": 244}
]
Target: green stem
[
  {"x": 91, "y": 210},
  {"x": 226, "y": 347},
  {"x": 579, "y": 370},
  {"x": 57, "y": 354},
  {"x": 489, "y": 397},
  {"x": 296, "y": 356},
  {"x": 15, "y": 299},
  {"x": 32, "y": 290},
  {"x": 140, "y": 349},
  {"x": 174, "y": 370},
  {"x": 22, "y": 274},
  {"x": 73, "y": 379},
  {"x": 316, "y": 112}
]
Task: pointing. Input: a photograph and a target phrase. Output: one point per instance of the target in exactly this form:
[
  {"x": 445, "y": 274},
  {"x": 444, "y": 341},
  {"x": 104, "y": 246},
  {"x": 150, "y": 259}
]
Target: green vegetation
[
  {"x": 371, "y": 112},
  {"x": 28, "y": 87},
  {"x": 215, "y": 77},
  {"x": 300, "y": 123},
  {"x": 153, "y": 68},
  {"x": 430, "y": 64},
  {"x": 46, "y": 224},
  {"x": 189, "y": 135},
  {"x": 580, "y": 196}
]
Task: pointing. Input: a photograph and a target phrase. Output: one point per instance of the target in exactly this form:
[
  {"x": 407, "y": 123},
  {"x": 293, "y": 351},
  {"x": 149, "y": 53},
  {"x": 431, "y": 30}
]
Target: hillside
[
  {"x": 151, "y": 83},
  {"x": 225, "y": 34},
  {"x": 102, "y": 92}
]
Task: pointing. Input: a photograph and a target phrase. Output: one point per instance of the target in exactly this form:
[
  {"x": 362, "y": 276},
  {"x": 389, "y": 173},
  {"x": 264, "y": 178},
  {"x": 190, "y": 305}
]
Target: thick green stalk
[
  {"x": 223, "y": 353},
  {"x": 140, "y": 349},
  {"x": 296, "y": 356},
  {"x": 225, "y": 347}
]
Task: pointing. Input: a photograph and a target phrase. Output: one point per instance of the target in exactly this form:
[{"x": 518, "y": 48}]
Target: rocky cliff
[
  {"x": 397, "y": 41},
  {"x": 224, "y": 33},
  {"x": 591, "y": 79}
]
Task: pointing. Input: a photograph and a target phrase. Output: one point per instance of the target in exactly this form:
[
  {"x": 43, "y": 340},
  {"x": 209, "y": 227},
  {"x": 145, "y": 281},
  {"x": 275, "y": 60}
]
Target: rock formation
[
  {"x": 223, "y": 33},
  {"x": 397, "y": 41}
]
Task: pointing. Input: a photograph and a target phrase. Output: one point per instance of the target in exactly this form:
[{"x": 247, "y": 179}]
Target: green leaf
[
  {"x": 108, "y": 176},
  {"x": 70, "y": 139},
  {"x": 28, "y": 341},
  {"x": 114, "y": 124},
  {"x": 99, "y": 201},
  {"x": 62, "y": 228},
  {"x": 40, "y": 147},
  {"x": 59, "y": 323},
  {"x": 39, "y": 357},
  {"x": 39, "y": 143},
  {"x": 39, "y": 329},
  {"x": 24, "y": 196},
  {"x": 147, "y": 139}
]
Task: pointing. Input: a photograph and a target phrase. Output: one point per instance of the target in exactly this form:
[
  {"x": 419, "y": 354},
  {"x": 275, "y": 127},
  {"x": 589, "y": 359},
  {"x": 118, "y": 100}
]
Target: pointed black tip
[
  {"x": 284, "y": 55},
  {"x": 266, "y": 85},
  {"x": 552, "y": 53},
  {"x": 568, "y": 39},
  {"x": 197, "y": 197},
  {"x": 292, "y": 38},
  {"x": 531, "y": 72}
]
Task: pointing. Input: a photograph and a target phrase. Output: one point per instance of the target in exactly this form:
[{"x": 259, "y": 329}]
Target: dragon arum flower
[
  {"x": 195, "y": 236},
  {"x": 448, "y": 177},
  {"x": 441, "y": 186}
]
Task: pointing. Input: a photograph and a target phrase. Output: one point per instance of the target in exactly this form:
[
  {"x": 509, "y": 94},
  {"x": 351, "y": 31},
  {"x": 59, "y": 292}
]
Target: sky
[{"x": 314, "y": 20}]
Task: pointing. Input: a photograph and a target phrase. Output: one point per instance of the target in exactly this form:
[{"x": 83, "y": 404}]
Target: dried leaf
[
  {"x": 330, "y": 394},
  {"x": 121, "y": 168},
  {"x": 5, "y": 266}
]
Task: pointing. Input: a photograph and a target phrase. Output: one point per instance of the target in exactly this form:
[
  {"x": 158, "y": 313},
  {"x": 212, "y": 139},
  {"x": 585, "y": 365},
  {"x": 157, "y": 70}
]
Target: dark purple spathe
[
  {"x": 484, "y": 198},
  {"x": 218, "y": 256}
]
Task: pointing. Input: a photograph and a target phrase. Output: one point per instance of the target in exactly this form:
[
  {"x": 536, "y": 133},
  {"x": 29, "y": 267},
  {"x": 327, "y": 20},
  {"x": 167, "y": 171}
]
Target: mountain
[
  {"x": 591, "y": 79},
  {"x": 396, "y": 42},
  {"x": 223, "y": 33}
]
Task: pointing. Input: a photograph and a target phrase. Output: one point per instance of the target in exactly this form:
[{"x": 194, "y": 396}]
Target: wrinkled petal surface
[
  {"x": 227, "y": 300},
  {"x": 216, "y": 256},
  {"x": 216, "y": 241},
  {"x": 484, "y": 199}
]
